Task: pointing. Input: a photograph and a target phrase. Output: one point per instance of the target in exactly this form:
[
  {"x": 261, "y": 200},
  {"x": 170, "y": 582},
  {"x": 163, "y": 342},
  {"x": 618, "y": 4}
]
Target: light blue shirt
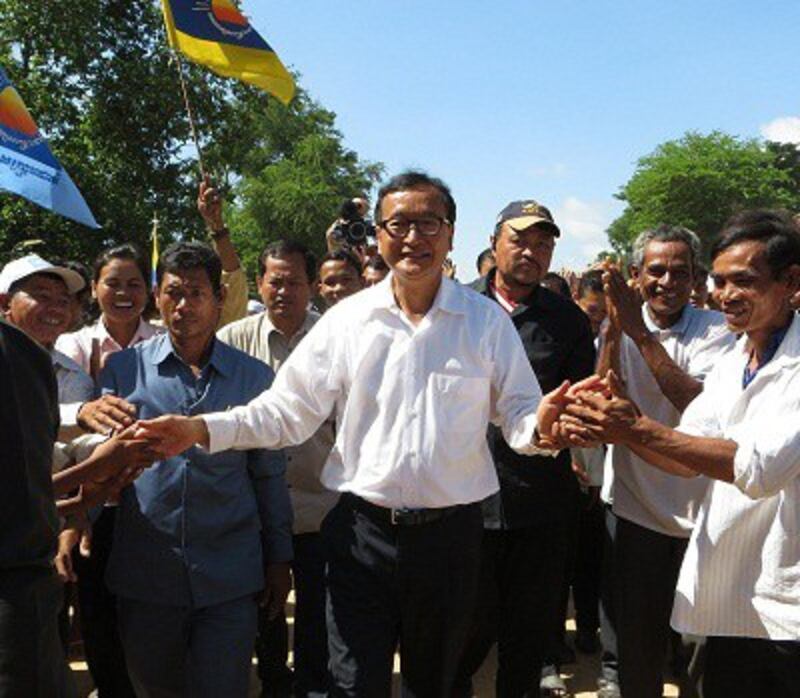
[{"x": 191, "y": 529}]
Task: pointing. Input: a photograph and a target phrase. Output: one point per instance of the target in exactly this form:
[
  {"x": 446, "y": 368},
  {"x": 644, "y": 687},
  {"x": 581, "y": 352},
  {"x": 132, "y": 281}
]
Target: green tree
[
  {"x": 700, "y": 180},
  {"x": 103, "y": 87}
]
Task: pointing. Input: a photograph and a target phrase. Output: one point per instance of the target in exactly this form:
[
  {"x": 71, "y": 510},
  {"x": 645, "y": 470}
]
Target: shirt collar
[
  {"x": 143, "y": 331},
  {"x": 308, "y": 322},
  {"x": 678, "y": 328},
  {"x": 449, "y": 297},
  {"x": 220, "y": 359}
]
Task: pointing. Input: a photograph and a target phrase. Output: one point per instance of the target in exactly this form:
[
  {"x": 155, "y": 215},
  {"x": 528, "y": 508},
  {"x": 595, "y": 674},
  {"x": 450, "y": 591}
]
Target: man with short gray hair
[{"x": 663, "y": 351}]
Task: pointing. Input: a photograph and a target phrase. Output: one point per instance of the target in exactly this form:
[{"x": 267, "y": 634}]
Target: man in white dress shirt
[
  {"x": 662, "y": 350},
  {"x": 414, "y": 368},
  {"x": 739, "y": 584}
]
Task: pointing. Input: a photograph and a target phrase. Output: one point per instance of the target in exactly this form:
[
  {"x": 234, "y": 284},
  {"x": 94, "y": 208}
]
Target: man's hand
[
  {"x": 106, "y": 414},
  {"x": 209, "y": 204},
  {"x": 551, "y": 433},
  {"x": 67, "y": 540},
  {"x": 125, "y": 451},
  {"x": 172, "y": 434},
  {"x": 624, "y": 307},
  {"x": 605, "y": 417},
  {"x": 277, "y": 584}
]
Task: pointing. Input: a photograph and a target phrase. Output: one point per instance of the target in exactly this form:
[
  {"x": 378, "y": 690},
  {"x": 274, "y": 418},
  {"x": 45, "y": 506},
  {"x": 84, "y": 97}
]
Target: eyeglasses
[{"x": 429, "y": 226}]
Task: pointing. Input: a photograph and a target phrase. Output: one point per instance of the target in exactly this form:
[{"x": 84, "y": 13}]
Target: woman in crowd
[{"x": 119, "y": 286}]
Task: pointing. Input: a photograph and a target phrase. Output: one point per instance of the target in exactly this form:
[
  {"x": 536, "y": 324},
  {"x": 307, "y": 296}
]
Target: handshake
[{"x": 593, "y": 411}]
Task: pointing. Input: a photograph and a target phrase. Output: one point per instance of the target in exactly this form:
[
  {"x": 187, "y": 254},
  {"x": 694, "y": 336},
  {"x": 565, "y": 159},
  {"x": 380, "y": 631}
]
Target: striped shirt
[{"x": 741, "y": 573}]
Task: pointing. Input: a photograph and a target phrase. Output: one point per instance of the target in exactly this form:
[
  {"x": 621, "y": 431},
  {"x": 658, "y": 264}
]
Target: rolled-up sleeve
[{"x": 768, "y": 457}]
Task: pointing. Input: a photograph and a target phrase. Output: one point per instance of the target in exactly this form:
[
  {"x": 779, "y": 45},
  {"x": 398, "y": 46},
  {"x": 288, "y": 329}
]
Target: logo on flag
[
  {"x": 27, "y": 165},
  {"x": 216, "y": 34}
]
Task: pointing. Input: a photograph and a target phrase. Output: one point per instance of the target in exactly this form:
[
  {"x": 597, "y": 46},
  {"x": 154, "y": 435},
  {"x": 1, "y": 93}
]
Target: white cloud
[
  {"x": 785, "y": 129},
  {"x": 583, "y": 227},
  {"x": 557, "y": 170}
]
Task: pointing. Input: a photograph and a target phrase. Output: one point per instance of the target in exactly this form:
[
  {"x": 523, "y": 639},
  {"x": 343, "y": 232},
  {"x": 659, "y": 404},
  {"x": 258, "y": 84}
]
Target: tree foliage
[
  {"x": 103, "y": 86},
  {"x": 700, "y": 180}
]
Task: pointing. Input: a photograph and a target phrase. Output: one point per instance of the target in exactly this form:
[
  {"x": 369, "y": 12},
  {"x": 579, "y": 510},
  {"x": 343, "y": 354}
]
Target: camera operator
[{"x": 352, "y": 228}]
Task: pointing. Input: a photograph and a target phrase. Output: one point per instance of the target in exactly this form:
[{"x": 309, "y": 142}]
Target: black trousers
[
  {"x": 751, "y": 668},
  {"x": 644, "y": 572},
  {"x": 522, "y": 578},
  {"x": 98, "y": 613},
  {"x": 413, "y": 585},
  {"x": 32, "y": 663},
  {"x": 609, "y": 664},
  {"x": 588, "y": 564},
  {"x": 310, "y": 632}
]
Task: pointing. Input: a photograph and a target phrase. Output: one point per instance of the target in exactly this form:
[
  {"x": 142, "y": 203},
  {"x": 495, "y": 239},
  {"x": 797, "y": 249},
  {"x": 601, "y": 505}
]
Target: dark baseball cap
[{"x": 523, "y": 214}]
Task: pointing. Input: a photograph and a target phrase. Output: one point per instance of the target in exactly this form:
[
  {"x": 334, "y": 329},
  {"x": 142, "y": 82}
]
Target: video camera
[{"x": 353, "y": 229}]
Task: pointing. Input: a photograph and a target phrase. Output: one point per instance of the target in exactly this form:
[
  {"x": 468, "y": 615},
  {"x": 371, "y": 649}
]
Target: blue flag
[{"x": 28, "y": 166}]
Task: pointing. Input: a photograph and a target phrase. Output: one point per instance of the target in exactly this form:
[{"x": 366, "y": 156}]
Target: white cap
[{"x": 34, "y": 264}]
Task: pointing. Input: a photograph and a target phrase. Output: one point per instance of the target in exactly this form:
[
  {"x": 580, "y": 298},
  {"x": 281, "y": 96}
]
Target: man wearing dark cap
[{"x": 527, "y": 523}]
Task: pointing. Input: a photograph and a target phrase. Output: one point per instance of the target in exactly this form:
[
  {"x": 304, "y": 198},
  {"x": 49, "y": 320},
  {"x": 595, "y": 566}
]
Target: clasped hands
[{"x": 593, "y": 411}]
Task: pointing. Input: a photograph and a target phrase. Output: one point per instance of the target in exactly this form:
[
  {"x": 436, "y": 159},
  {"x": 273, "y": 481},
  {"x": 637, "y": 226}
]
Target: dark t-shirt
[
  {"x": 558, "y": 341},
  {"x": 29, "y": 422}
]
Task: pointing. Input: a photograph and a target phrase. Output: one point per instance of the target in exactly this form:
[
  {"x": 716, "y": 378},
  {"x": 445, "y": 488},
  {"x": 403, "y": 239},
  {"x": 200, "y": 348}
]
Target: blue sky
[{"x": 555, "y": 101}]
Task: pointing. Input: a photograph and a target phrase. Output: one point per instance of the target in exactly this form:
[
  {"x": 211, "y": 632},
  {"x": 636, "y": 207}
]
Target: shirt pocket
[{"x": 459, "y": 404}]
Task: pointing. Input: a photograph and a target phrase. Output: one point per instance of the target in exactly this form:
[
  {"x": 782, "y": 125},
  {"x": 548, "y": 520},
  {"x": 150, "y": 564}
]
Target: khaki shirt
[{"x": 257, "y": 336}]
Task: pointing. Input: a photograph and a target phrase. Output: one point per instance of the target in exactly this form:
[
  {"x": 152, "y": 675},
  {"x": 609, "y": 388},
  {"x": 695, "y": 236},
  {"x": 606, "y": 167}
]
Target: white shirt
[
  {"x": 75, "y": 387},
  {"x": 412, "y": 402},
  {"x": 90, "y": 346},
  {"x": 640, "y": 493},
  {"x": 741, "y": 572}
]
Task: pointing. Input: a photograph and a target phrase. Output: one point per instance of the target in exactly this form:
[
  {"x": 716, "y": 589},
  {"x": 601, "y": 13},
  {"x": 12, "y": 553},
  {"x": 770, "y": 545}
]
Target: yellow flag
[{"x": 216, "y": 34}]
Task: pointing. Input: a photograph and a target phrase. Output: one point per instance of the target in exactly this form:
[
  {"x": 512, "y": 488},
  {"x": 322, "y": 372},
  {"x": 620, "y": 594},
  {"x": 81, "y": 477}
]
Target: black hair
[
  {"x": 126, "y": 251},
  {"x": 482, "y": 257},
  {"x": 773, "y": 228},
  {"x": 281, "y": 249},
  {"x": 590, "y": 282},
  {"x": 556, "y": 283},
  {"x": 377, "y": 262},
  {"x": 414, "y": 179},
  {"x": 343, "y": 255},
  {"x": 181, "y": 256}
]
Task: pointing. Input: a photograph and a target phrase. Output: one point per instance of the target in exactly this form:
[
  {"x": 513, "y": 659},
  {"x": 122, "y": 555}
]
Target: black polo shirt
[
  {"x": 29, "y": 422},
  {"x": 558, "y": 340}
]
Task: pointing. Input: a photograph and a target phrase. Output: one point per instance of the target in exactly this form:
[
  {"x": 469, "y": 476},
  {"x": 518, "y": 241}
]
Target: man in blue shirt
[{"x": 198, "y": 536}]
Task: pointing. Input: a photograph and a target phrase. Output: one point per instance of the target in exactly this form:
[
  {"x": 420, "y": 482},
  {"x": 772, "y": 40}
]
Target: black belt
[{"x": 399, "y": 517}]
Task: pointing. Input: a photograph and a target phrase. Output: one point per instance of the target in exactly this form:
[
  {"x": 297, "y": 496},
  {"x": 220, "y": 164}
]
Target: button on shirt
[
  {"x": 741, "y": 573},
  {"x": 640, "y": 493},
  {"x": 311, "y": 502},
  {"x": 412, "y": 402},
  {"x": 190, "y": 529}
]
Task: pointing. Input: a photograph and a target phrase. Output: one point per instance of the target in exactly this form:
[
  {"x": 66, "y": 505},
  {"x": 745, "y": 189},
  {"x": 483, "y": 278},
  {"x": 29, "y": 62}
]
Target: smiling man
[
  {"x": 663, "y": 350},
  {"x": 414, "y": 369},
  {"x": 738, "y": 582}
]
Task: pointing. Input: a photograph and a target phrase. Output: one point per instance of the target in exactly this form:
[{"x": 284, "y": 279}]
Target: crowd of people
[{"x": 433, "y": 467}]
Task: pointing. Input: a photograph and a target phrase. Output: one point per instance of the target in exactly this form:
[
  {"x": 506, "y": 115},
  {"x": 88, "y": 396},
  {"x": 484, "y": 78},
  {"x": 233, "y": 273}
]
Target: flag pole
[{"x": 189, "y": 113}]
